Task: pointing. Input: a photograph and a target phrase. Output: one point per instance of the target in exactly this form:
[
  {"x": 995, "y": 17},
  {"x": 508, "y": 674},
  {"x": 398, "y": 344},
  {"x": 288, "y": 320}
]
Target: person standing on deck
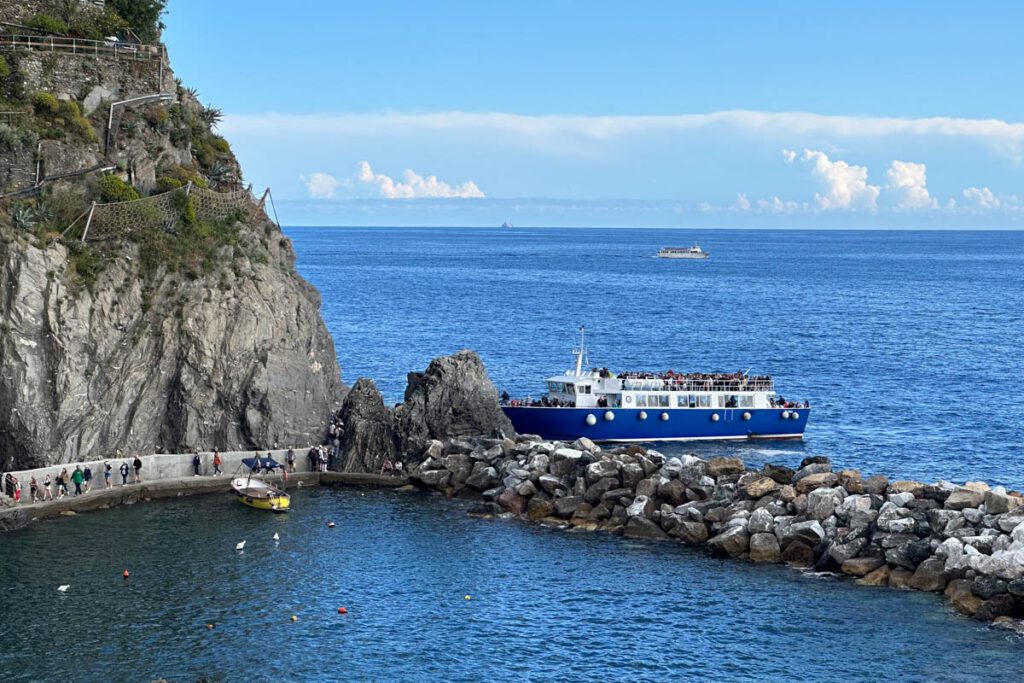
[
  {"x": 62, "y": 483},
  {"x": 137, "y": 465},
  {"x": 107, "y": 471},
  {"x": 87, "y": 475},
  {"x": 47, "y": 492},
  {"x": 216, "y": 463},
  {"x": 124, "y": 473},
  {"x": 289, "y": 459},
  {"x": 196, "y": 464}
]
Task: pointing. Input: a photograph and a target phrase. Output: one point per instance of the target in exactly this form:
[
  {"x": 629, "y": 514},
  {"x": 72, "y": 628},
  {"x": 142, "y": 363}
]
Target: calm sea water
[
  {"x": 909, "y": 345},
  {"x": 545, "y": 604}
]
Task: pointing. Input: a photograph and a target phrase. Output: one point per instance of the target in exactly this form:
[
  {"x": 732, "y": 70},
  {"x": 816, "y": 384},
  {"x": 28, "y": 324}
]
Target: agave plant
[
  {"x": 23, "y": 217},
  {"x": 211, "y": 116},
  {"x": 191, "y": 92},
  {"x": 221, "y": 174}
]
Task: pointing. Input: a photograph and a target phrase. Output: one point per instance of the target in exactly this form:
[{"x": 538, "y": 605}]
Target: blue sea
[{"x": 907, "y": 344}]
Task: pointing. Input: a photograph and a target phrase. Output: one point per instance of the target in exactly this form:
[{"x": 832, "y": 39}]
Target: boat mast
[{"x": 579, "y": 352}]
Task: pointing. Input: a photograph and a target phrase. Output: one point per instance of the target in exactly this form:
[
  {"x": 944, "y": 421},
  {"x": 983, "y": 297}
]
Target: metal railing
[
  {"x": 697, "y": 385},
  {"x": 80, "y": 46}
]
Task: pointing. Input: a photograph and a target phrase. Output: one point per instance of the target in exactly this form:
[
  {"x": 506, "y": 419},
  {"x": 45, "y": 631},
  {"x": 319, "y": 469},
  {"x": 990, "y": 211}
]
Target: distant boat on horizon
[
  {"x": 506, "y": 224},
  {"x": 694, "y": 252}
]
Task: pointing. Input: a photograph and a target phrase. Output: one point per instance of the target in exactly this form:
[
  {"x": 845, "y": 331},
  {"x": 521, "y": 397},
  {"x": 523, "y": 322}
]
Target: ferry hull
[{"x": 682, "y": 424}]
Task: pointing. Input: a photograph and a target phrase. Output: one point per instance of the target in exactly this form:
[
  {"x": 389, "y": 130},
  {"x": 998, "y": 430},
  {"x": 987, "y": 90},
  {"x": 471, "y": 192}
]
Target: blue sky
[{"x": 800, "y": 114}]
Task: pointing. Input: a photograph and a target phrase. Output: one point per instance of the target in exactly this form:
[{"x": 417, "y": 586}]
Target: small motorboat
[{"x": 258, "y": 493}]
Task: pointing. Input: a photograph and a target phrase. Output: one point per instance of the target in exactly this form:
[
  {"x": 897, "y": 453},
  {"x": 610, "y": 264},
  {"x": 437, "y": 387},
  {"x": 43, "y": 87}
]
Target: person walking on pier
[
  {"x": 87, "y": 474},
  {"x": 107, "y": 471},
  {"x": 9, "y": 482},
  {"x": 33, "y": 489},
  {"x": 289, "y": 459},
  {"x": 137, "y": 466},
  {"x": 77, "y": 478},
  {"x": 216, "y": 463},
  {"x": 62, "y": 483},
  {"x": 47, "y": 492},
  {"x": 124, "y": 473},
  {"x": 196, "y": 463}
]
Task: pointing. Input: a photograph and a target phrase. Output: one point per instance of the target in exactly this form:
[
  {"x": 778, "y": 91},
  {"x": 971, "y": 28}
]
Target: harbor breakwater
[{"x": 964, "y": 542}]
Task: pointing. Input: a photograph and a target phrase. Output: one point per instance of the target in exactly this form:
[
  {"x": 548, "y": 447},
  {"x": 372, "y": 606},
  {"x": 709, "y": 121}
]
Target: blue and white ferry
[{"x": 668, "y": 406}]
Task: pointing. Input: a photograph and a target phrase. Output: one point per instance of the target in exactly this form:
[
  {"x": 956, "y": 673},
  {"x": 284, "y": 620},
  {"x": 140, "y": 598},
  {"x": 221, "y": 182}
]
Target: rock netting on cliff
[{"x": 966, "y": 542}]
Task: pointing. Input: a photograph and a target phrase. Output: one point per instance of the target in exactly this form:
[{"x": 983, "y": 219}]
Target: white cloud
[
  {"x": 788, "y": 155},
  {"x": 321, "y": 185},
  {"x": 1004, "y": 137},
  {"x": 742, "y": 203},
  {"x": 414, "y": 185},
  {"x": 985, "y": 200},
  {"x": 778, "y": 206},
  {"x": 846, "y": 186},
  {"x": 907, "y": 180}
]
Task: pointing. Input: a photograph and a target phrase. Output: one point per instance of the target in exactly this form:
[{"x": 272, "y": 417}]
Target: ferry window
[
  {"x": 583, "y": 389},
  {"x": 704, "y": 400},
  {"x": 663, "y": 401},
  {"x": 571, "y": 388},
  {"x": 746, "y": 402},
  {"x": 681, "y": 400},
  {"x": 641, "y": 400},
  {"x": 693, "y": 400}
]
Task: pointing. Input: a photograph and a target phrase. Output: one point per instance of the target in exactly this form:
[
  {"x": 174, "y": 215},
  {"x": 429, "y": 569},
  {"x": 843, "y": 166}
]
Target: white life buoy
[
  {"x": 591, "y": 420},
  {"x": 629, "y": 399},
  {"x": 609, "y": 415},
  {"x": 746, "y": 416},
  {"x": 642, "y": 415},
  {"x": 795, "y": 415},
  {"x": 714, "y": 417},
  {"x": 785, "y": 414},
  {"x": 664, "y": 417}
]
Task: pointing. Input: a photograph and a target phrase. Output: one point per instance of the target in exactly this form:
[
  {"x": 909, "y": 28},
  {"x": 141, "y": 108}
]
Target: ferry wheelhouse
[{"x": 667, "y": 406}]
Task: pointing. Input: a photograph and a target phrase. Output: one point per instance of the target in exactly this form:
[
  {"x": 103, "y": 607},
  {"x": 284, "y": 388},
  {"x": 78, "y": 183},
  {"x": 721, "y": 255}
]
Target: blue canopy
[{"x": 258, "y": 463}]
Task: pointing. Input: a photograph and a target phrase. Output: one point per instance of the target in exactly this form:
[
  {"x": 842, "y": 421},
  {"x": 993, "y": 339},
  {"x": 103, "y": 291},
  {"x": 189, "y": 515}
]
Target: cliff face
[{"x": 169, "y": 327}]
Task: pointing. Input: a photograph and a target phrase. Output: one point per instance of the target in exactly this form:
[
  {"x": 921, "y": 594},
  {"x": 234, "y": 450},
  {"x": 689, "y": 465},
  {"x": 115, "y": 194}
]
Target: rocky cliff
[{"x": 172, "y": 323}]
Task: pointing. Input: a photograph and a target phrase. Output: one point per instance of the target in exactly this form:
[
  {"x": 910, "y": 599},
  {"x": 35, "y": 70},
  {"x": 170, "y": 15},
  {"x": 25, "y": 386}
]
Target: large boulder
[
  {"x": 370, "y": 436},
  {"x": 733, "y": 541},
  {"x": 964, "y": 498},
  {"x": 453, "y": 399},
  {"x": 717, "y": 467},
  {"x": 641, "y": 527},
  {"x": 764, "y": 547},
  {"x": 930, "y": 575}
]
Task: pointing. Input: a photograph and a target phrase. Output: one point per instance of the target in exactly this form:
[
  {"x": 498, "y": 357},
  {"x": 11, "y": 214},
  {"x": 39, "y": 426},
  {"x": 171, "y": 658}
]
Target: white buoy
[
  {"x": 785, "y": 414},
  {"x": 64, "y": 588},
  {"x": 591, "y": 420},
  {"x": 794, "y": 415},
  {"x": 642, "y": 415},
  {"x": 714, "y": 417},
  {"x": 276, "y": 537},
  {"x": 609, "y": 415},
  {"x": 746, "y": 416},
  {"x": 240, "y": 546},
  {"x": 664, "y": 417}
]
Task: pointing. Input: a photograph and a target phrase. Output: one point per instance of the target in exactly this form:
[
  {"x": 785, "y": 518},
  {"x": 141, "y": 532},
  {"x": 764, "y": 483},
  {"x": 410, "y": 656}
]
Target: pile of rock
[{"x": 965, "y": 541}]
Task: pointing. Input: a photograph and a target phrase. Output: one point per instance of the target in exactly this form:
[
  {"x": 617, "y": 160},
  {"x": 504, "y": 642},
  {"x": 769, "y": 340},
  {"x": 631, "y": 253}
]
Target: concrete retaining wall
[{"x": 155, "y": 467}]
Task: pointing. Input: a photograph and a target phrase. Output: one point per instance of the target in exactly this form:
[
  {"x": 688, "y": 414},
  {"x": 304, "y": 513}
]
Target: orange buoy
[
  {"x": 125, "y": 575},
  {"x": 209, "y": 626},
  {"x": 342, "y": 610}
]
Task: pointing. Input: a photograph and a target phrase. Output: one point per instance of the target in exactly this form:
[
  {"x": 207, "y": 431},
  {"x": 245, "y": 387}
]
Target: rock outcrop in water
[
  {"x": 966, "y": 542},
  {"x": 173, "y": 323},
  {"x": 453, "y": 399}
]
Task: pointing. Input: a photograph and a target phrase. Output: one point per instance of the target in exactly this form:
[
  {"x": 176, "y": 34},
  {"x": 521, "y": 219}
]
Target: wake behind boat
[
  {"x": 257, "y": 493},
  {"x": 666, "y": 406}
]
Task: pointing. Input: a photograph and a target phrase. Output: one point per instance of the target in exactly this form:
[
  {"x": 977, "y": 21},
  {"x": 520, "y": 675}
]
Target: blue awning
[{"x": 261, "y": 463}]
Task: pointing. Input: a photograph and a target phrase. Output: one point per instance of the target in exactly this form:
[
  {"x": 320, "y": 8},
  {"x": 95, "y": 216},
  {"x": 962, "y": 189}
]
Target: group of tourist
[
  {"x": 781, "y": 402},
  {"x": 59, "y": 485}
]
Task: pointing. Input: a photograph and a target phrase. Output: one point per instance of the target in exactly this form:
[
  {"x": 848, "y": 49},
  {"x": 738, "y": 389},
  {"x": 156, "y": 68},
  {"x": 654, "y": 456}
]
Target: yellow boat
[{"x": 257, "y": 493}]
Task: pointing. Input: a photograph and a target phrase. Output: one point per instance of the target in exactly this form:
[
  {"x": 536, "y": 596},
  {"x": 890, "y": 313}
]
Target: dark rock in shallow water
[
  {"x": 733, "y": 541},
  {"x": 986, "y": 587},
  {"x": 641, "y": 527},
  {"x": 1002, "y": 605},
  {"x": 370, "y": 436},
  {"x": 780, "y": 473},
  {"x": 764, "y": 547},
  {"x": 798, "y": 554},
  {"x": 512, "y": 501},
  {"x": 814, "y": 460},
  {"x": 862, "y": 566},
  {"x": 909, "y": 554},
  {"x": 453, "y": 399},
  {"x": 959, "y": 594}
]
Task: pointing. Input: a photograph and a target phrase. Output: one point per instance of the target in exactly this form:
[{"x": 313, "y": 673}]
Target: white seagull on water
[
  {"x": 240, "y": 546},
  {"x": 276, "y": 537},
  {"x": 64, "y": 588}
]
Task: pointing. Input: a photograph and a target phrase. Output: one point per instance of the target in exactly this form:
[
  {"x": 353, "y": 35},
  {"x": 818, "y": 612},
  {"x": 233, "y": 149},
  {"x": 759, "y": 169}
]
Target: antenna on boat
[{"x": 580, "y": 352}]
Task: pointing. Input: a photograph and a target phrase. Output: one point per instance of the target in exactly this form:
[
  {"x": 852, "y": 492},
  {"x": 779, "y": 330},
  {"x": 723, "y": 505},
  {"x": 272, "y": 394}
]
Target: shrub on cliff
[
  {"x": 113, "y": 189},
  {"x": 143, "y": 16},
  {"x": 5, "y": 68},
  {"x": 47, "y": 23},
  {"x": 45, "y": 104}
]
